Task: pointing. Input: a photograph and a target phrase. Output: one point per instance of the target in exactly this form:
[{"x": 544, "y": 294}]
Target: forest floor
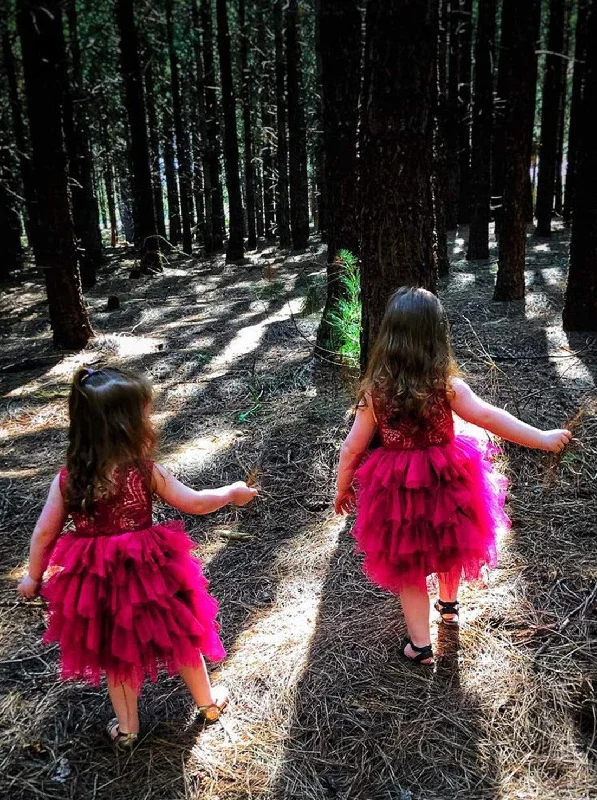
[{"x": 322, "y": 706}]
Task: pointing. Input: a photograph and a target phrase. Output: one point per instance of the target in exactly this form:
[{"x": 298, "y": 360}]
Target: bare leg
[
  {"x": 448, "y": 589},
  {"x": 415, "y": 607},
  {"x": 197, "y": 682},
  {"x": 124, "y": 703}
]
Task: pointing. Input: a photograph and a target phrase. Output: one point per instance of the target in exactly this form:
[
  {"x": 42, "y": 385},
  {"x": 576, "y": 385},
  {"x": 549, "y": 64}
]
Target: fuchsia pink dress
[
  {"x": 128, "y": 597},
  {"x": 427, "y": 502}
]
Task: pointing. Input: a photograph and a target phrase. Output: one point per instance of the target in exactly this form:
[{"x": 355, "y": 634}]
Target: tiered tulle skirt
[
  {"x": 129, "y": 604},
  {"x": 432, "y": 510}
]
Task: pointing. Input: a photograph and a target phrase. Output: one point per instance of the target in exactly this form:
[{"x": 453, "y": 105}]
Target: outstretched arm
[
  {"x": 46, "y": 531},
  {"x": 191, "y": 501},
  {"x": 471, "y": 408},
  {"x": 351, "y": 454}
]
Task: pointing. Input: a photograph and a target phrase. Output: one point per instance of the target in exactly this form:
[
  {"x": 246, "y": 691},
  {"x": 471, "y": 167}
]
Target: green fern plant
[{"x": 345, "y": 317}]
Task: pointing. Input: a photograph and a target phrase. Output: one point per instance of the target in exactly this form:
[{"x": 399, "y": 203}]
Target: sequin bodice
[
  {"x": 438, "y": 429},
  {"x": 128, "y": 508}
]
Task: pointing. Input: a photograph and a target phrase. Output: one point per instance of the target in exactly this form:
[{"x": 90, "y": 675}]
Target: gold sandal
[
  {"x": 122, "y": 741},
  {"x": 211, "y": 712}
]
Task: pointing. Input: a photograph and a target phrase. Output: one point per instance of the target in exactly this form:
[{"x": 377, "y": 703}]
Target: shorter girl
[
  {"x": 427, "y": 500},
  {"x": 126, "y": 596}
]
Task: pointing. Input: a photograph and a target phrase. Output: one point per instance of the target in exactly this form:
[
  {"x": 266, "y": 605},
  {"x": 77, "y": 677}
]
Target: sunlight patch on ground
[
  {"x": 567, "y": 366},
  {"x": 458, "y": 246},
  {"x": 195, "y": 453},
  {"x": 461, "y": 279}
]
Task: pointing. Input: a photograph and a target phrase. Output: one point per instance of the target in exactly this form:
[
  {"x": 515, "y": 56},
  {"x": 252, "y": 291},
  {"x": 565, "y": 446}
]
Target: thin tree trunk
[
  {"x": 212, "y": 142},
  {"x": 42, "y": 45},
  {"x": 267, "y": 124},
  {"x": 207, "y": 226},
  {"x": 297, "y": 135},
  {"x": 154, "y": 142},
  {"x": 464, "y": 96},
  {"x": 340, "y": 43},
  {"x": 550, "y": 113},
  {"x": 452, "y": 115},
  {"x": 580, "y": 308},
  {"x": 282, "y": 202},
  {"x": 396, "y": 155},
  {"x": 519, "y": 39},
  {"x": 182, "y": 145},
  {"x": 20, "y": 139},
  {"x": 480, "y": 181},
  {"x": 234, "y": 248},
  {"x": 440, "y": 166},
  {"x": 577, "y": 83},
  {"x": 142, "y": 190},
  {"x": 109, "y": 183},
  {"x": 247, "y": 127},
  {"x": 174, "y": 228}
]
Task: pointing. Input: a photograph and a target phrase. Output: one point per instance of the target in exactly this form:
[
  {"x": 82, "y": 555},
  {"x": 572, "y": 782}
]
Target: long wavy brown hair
[
  {"x": 411, "y": 361},
  {"x": 109, "y": 427}
]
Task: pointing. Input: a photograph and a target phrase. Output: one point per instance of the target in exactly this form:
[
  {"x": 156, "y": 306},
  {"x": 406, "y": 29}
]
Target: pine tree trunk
[
  {"x": 20, "y": 139},
  {"x": 83, "y": 199},
  {"x": 452, "y": 113},
  {"x": 247, "y": 127},
  {"x": 480, "y": 180},
  {"x": 182, "y": 143},
  {"x": 519, "y": 40},
  {"x": 440, "y": 165},
  {"x": 174, "y": 228},
  {"x": 297, "y": 134},
  {"x": 550, "y": 114},
  {"x": 10, "y": 224},
  {"x": 212, "y": 142},
  {"x": 396, "y": 155},
  {"x": 465, "y": 31},
  {"x": 42, "y": 45},
  {"x": 109, "y": 183},
  {"x": 580, "y": 307},
  {"x": 142, "y": 190},
  {"x": 319, "y": 192},
  {"x": 340, "y": 49},
  {"x": 577, "y": 83},
  {"x": 235, "y": 246},
  {"x": 282, "y": 202},
  {"x": 203, "y": 147},
  {"x": 154, "y": 142},
  {"x": 265, "y": 47}
]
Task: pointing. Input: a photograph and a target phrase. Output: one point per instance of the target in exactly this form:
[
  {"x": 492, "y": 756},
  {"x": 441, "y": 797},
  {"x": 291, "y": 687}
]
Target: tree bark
[
  {"x": 247, "y": 127},
  {"x": 297, "y": 134},
  {"x": 42, "y": 45},
  {"x": 396, "y": 155},
  {"x": 142, "y": 190},
  {"x": 519, "y": 40},
  {"x": 452, "y": 113},
  {"x": 109, "y": 184},
  {"x": 550, "y": 113},
  {"x": 78, "y": 145},
  {"x": 282, "y": 202},
  {"x": 440, "y": 166},
  {"x": 204, "y": 153},
  {"x": 182, "y": 142},
  {"x": 480, "y": 179},
  {"x": 234, "y": 248},
  {"x": 174, "y": 228},
  {"x": 267, "y": 127},
  {"x": 20, "y": 139},
  {"x": 154, "y": 142},
  {"x": 212, "y": 143},
  {"x": 580, "y": 307},
  {"x": 465, "y": 31},
  {"x": 577, "y": 83},
  {"x": 340, "y": 48}
]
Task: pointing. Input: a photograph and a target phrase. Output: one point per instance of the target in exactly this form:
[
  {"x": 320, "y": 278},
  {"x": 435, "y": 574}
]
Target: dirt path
[{"x": 322, "y": 706}]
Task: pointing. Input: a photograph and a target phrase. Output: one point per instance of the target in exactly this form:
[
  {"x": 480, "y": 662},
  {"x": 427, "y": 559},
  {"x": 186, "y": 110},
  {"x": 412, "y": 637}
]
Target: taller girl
[{"x": 427, "y": 500}]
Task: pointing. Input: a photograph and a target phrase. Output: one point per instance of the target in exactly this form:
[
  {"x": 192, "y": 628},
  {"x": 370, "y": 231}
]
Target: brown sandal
[
  {"x": 122, "y": 741},
  {"x": 211, "y": 713}
]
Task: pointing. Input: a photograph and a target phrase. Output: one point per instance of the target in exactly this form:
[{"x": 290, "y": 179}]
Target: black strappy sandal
[
  {"x": 422, "y": 653},
  {"x": 448, "y": 609}
]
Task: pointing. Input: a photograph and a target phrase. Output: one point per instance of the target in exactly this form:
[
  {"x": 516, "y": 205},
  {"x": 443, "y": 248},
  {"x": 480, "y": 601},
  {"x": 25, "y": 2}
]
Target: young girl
[
  {"x": 427, "y": 500},
  {"x": 125, "y": 596}
]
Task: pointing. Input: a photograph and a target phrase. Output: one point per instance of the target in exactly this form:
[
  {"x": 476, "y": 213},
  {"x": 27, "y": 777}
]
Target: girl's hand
[
  {"x": 556, "y": 441},
  {"x": 241, "y": 494},
  {"x": 345, "y": 502},
  {"x": 28, "y": 587}
]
